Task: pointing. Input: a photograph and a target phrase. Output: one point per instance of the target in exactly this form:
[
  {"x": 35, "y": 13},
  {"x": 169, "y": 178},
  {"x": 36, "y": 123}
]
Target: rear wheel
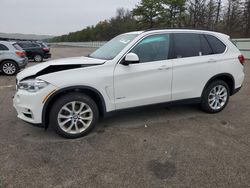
[
  {"x": 74, "y": 115},
  {"x": 215, "y": 97},
  {"x": 9, "y": 68},
  {"x": 38, "y": 58}
]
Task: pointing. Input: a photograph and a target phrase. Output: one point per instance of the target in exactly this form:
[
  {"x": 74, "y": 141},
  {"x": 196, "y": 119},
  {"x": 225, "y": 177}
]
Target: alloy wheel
[
  {"x": 9, "y": 68},
  {"x": 75, "y": 117},
  {"x": 218, "y": 97},
  {"x": 38, "y": 58}
]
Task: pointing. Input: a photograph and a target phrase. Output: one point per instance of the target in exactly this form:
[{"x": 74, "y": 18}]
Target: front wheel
[
  {"x": 215, "y": 97},
  {"x": 74, "y": 115}
]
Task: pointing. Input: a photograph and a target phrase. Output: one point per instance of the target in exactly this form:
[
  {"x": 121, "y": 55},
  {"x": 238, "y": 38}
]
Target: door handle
[
  {"x": 211, "y": 61},
  {"x": 164, "y": 67}
]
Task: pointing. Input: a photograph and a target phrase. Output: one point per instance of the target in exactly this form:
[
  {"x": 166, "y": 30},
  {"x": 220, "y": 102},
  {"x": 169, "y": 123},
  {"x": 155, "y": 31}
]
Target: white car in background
[
  {"x": 134, "y": 69},
  {"x": 12, "y": 58}
]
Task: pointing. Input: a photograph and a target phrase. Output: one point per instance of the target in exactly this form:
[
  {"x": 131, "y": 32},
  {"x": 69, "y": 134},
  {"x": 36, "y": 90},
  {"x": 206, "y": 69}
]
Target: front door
[{"x": 150, "y": 80}]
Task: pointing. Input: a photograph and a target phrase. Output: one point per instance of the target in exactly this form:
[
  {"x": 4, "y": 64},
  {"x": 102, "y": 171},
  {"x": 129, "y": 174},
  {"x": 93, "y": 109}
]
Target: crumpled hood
[{"x": 33, "y": 70}]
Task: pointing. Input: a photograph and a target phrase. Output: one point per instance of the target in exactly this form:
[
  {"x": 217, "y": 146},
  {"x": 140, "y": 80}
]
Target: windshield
[{"x": 112, "y": 48}]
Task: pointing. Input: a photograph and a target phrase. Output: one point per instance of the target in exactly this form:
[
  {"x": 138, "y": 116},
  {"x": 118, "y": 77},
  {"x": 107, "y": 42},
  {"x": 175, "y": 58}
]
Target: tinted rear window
[
  {"x": 3, "y": 47},
  {"x": 186, "y": 45},
  {"x": 28, "y": 45},
  {"x": 43, "y": 45},
  {"x": 217, "y": 46},
  {"x": 35, "y": 45},
  {"x": 17, "y": 47}
]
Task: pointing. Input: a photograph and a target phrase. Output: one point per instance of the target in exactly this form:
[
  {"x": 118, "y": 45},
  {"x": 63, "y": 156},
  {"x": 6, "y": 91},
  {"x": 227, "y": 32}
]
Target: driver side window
[{"x": 153, "y": 48}]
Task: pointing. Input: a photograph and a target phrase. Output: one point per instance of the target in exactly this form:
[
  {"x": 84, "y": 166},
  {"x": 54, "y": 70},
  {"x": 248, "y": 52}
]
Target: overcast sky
[{"x": 56, "y": 17}]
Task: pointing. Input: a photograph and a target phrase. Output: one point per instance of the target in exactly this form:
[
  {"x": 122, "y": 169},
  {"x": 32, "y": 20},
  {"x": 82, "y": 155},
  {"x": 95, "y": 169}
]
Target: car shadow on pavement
[{"x": 132, "y": 119}]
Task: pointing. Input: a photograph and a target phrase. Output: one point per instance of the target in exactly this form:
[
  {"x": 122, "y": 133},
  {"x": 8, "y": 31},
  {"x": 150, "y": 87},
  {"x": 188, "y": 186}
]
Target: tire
[
  {"x": 78, "y": 124},
  {"x": 9, "y": 68},
  {"x": 215, "y": 97},
  {"x": 38, "y": 58}
]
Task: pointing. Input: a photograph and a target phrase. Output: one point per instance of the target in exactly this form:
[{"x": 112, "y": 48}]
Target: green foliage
[
  {"x": 148, "y": 12},
  {"x": 173, "y": 13}
]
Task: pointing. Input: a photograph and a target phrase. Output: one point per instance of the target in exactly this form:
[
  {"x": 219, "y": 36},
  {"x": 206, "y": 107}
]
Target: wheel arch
[
  {"x": 226, "y": 77},
  {"x": 1, "y": 62},
  {"x": 89, "y": 91}
]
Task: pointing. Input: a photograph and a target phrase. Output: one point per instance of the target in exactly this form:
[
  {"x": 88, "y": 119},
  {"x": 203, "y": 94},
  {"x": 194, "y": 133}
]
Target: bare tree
[
  {"x": 218, "y": 11},
  {"x": 246, "y": 17},
  {"x": 211, "y": 14},
  {"x": 234, "y": 17},
  {"x": 196, "y": 10}
]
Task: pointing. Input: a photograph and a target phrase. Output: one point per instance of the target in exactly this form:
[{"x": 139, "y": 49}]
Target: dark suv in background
[{"x": 37, "y": 51}]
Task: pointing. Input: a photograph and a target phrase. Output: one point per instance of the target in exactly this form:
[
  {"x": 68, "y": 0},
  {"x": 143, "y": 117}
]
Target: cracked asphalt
[{"x": 177, "y": 146}]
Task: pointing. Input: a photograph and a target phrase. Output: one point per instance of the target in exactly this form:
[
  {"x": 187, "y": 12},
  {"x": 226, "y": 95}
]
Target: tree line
[{"x": 228, "y": 16}]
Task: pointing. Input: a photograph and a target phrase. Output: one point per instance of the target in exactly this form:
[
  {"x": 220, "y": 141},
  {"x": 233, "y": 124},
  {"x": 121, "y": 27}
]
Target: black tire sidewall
[
  {"x": 204, "y": 104},
  {"x": 16, "y": 66},
  {"x": 69, "y": 98}
]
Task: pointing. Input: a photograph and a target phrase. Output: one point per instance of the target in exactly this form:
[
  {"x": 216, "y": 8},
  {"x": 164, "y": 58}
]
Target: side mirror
[{"x": 131, "y": 58}]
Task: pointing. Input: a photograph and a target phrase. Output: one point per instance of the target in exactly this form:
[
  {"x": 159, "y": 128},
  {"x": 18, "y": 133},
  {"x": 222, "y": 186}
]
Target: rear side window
[
  {"x": 217, "y": 46},
  {"x": 153, "y": 48},
  {"x": 28, "y": 45},
  {"x": 23, "y": 45},
  {"x": 3, "y": 48},
  {"x": 34, "y": 45},
  {"x": 186, "y": 45}
]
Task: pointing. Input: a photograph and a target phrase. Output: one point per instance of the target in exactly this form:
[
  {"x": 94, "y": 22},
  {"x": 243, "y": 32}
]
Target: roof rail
[
  {"x": 163, "y": 28},
  {"x": 15, "y": 39}
]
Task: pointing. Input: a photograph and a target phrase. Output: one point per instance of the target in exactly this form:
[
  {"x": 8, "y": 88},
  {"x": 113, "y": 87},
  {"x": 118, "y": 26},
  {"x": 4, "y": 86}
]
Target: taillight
[
  {"x": 46, "y": 49},
  {"x": 241, "y": 59},
  {"x": 20, "y": 53}
]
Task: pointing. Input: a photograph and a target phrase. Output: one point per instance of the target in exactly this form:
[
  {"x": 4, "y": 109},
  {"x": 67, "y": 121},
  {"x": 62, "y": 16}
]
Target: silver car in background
[{"x": 12, "y": 58}]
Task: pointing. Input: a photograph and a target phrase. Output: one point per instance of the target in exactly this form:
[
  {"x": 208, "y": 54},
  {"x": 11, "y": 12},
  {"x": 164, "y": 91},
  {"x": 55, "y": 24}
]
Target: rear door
[{"x": 194, "y": 63}]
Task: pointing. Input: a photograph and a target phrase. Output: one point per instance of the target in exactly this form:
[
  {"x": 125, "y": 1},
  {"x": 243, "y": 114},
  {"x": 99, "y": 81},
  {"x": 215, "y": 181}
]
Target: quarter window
[
  {"x": 153, "y": 48},
  {"x": 186, "y": 45},
  {"x": 205, "y": 46},
  {"x": 217, "y": 46},
  {"x": 3, "y": 47}
]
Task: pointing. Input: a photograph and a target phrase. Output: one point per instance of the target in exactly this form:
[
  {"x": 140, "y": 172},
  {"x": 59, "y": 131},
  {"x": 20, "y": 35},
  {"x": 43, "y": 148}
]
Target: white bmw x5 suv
[{"x": 133, "y": 69}]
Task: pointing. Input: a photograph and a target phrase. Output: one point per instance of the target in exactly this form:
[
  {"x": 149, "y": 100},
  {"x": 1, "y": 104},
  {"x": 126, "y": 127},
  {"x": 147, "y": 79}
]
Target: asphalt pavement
[{"x": 178, "y": 146}]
